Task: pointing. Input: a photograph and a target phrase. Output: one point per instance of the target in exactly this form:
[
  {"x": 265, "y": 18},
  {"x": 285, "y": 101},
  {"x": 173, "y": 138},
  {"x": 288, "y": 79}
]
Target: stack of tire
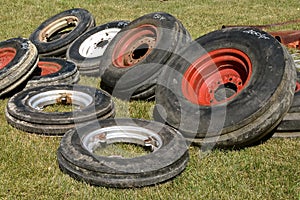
[
  {"x": 36, "y": 65},
  {"x": 290, "y": 125}
]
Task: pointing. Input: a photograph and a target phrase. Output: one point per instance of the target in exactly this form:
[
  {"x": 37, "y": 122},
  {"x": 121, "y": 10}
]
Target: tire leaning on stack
[
  {"x": 53, "y": 37},
  {"x": 24, "y": 110},
  {"x": 54, "y": 71},
  {"x": 135, "y": 56},
  {"x": 18, "y": 60},
  {"x": 228, "y": 89}
]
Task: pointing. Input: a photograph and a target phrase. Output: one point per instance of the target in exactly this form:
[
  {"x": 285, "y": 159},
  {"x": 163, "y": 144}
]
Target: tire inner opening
[
  {"x": 225, "y": 91},
  {"x": 121, "y": 141},
  {"x": 60, "y": 101},
  {"x": 140, "y": 51}
]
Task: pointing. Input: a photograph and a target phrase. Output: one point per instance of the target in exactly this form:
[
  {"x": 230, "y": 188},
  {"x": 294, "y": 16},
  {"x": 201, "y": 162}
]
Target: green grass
[{"x": 28, "y": 166}]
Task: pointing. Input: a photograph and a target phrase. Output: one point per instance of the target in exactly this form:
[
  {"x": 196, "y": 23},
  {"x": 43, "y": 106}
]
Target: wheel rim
[
  {"x": 58, "y": 29},
  {"x": 65, "y": 97},
  {"x": 121, "y": 134},
  {"x": 6, "y": 56},
  {"x": 48, "y": 68},
  {"x": 135, "y": 46},
  {"x": 95, "y": 45},
  {"x": 217, "y": 77},
  {"x": 297, "y": 87}
]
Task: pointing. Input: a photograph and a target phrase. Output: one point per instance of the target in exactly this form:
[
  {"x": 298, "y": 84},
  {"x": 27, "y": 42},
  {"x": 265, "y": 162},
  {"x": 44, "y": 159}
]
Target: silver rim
[
  {"x": 76, "y": 98},
  {"x": 95, "y": 45},
  {"x": 121, "y": 134}
]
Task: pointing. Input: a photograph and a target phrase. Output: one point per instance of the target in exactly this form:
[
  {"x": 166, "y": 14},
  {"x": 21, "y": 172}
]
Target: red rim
[
  {"x": 48, "y": 68},
  {"x": 6, "y": 56},
  {"x": 216, "y": 77},
  {"x": 297, "y": 87},
  {"x": 134, "y": 46}
]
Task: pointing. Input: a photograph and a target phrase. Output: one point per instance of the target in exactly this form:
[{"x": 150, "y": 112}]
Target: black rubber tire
[
  {"x": 24, "y": 110},
  {"x": 168, "y": 160},
  {"x": 247, "y": 117},
  {"x": 289, "y": 127},
  {"x": 54, "y": 71},
  {"x": 17, "y": 72},
  {"x": 127, "y": 81},
  {"x": 56, "y": 42},
  {"x": 90, "y": 65}
]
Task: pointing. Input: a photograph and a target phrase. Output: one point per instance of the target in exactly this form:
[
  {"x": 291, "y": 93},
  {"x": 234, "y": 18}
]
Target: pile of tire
[
  {"x": 53, "y": 52},
  {"x": 231, "y": 88}
]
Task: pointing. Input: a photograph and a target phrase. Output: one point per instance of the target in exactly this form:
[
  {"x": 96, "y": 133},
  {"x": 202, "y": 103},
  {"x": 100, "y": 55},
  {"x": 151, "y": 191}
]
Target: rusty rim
[
  {"x": 58, "y": 29},
  {"x": 49, "y": 67},
  {"x": 216, "y": 77},
  {"x": 134, "y": 46},
  {"x": 6, "y": 56}
]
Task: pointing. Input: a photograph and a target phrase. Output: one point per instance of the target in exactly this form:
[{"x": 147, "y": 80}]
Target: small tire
[
  {"x": 53, "y": 36},
  {"x": 168, "y": 157},
  {"x": 19, "y": 58},
  {"x": 87, "y": 50},
  {"x": 248, "y": 88},
  {"x": 135, "y": 56},
  {"x": 54, "y": 71},
  {"x": 25, "y": 109}
]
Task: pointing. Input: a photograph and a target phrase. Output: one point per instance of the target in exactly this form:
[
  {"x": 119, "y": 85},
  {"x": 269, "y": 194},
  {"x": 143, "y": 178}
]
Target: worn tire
[
  {"x": 25, "y": 109},
  {"x": 76, "y": 155},
  {"x": 135, "y": 56},
  {"x": 253, "y": 71},
  {"x": 289, "y": 127},
  {"x": 54, "y": 71},
  {"x": 53, "y": 36},
  {"x": 87, "y": 50},
  {"x": 19, "y": 58}
]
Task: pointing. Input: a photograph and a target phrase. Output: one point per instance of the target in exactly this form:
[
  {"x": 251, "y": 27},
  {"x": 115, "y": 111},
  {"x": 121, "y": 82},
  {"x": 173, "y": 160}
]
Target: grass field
[{"x": 28, "y": 166}]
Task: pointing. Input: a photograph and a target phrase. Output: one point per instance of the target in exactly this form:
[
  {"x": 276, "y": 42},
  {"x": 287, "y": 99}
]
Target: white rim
[
  {"x": 80, "y": 99},
  {"x": 121, "y": 134},
  {"x": 95, "y": 45}
]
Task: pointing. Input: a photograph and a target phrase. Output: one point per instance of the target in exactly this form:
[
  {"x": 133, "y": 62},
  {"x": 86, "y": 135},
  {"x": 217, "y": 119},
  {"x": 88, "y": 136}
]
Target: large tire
[
  {"x": 54, "y": 71},
  {"x": 53, "y": 36},
  {"x": 134, "y": 58},
  {"x": 18, "y": 60},
  {"x": 25, "y": 109},
  {"x": 87, "y": 50},
  {"x": 168, "y": 156},
  {"x": 248, "y": 87}
]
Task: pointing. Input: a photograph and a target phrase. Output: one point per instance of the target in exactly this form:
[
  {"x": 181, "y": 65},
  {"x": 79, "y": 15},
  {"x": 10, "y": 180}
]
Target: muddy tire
[
  {"x": 230, "y": 88},
  {"x": 168, "y": 155},
  {"x": 25, "y": 109},
  {"x": 87, "y": 50},
  {"x": 53, "y": 36},
  {"x": 54, "y": 71},
  {"x": 134, "y": 58},
  {"x": 18, "y": 60}
]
